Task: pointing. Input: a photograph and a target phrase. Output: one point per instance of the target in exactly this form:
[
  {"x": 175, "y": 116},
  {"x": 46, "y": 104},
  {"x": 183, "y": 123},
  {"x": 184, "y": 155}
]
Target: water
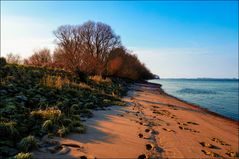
[{"x": 217, "y": 95}]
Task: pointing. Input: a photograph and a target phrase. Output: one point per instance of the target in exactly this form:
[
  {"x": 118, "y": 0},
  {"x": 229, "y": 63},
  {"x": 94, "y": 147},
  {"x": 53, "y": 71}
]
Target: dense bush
[{"x": 125, "y": 65}]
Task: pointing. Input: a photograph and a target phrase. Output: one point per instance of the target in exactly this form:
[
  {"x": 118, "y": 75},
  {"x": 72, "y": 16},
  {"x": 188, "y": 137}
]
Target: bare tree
[
  {"x": 70, "y": 45},
  {"x": 98, "y": 39},
  {"x": 92, "y": 41},
  {"x": 13, "y": 58},
  {"x": 40, "y": 58}
]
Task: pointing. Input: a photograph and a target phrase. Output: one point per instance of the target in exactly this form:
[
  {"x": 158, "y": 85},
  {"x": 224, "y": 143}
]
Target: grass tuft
[
  {"x": 9, "y": 127},
  {"x": 50, "y": 113},
  {"x": 47, "y": 125},
  {"x": 55, "y": 81},
  {"x": 99, "y": 79},
  {"x": 62, "y": 131},
  {"x": 28, "y": 143},
  {"x": 23, "y": 155}
]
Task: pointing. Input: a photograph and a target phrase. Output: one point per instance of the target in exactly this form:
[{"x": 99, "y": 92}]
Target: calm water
[{"x": 217, "y": 95}]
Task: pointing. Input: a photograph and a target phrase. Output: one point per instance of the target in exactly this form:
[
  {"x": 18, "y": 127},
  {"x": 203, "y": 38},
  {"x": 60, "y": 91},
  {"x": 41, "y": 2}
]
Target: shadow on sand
[{"x": 94, "y": 129}]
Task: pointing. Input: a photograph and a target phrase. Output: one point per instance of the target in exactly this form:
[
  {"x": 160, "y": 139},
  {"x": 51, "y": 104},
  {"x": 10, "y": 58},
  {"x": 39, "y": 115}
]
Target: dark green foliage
[
  {"x": 3, "y": 62},
  {"x": 82, "y": 76},
  {"x": 8, "y": 128},
  {"x": 28, "y": 143},
  {"x": 33, "y": 108}
]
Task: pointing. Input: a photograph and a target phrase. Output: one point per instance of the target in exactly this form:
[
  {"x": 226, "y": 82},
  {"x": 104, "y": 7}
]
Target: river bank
[{"x": 153, "y": 124}]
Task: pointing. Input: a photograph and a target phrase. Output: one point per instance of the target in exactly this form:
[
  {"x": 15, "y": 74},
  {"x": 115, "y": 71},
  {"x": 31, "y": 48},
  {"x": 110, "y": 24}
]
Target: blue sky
[{"x": 174, "y": 39}]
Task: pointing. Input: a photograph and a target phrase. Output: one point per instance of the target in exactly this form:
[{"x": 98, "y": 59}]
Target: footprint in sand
[
  {"x": 167, "y": 124},
  {"x": 210, "y": 153},
  {"x": 169, "y": 130},
  {"x": 154, "y": 106},
  {"x": 192, "y": 123},
  {"x": 147, "y": 130},
  {"x": 144, "y": 137},
  {"x": 140, "y": 135},
  {"x": 208, "y": 145},
  {"x": 181, "y": 123},
  {"x": 189, "y": 129},
  {"x": 220, "y": 141},
  {"x": 149, "y": 146},
  {"x": 143, "y": 156},
  {"x": 232, "y": 154},
  {"x": 59, "y": 149}
]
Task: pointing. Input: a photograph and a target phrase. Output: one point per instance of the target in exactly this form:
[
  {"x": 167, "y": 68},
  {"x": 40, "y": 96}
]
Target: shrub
[{"x": 28, "y": 143}]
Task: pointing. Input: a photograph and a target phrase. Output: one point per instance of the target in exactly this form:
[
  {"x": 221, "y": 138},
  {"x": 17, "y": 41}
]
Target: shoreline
[
  {"x": 149, "y": 128},
  {"x": 195, "y": 105}
]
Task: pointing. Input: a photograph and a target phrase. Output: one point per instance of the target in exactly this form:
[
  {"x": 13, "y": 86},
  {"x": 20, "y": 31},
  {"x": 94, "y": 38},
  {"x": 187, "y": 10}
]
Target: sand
[{"x": 153, "y": 124}]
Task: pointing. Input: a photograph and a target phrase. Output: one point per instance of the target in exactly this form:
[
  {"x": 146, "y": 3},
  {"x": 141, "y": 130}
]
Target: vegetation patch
[{"x": 36, "y": 101}]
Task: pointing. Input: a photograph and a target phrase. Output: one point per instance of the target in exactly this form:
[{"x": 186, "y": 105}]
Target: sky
[{"x": 175, "y": 39}]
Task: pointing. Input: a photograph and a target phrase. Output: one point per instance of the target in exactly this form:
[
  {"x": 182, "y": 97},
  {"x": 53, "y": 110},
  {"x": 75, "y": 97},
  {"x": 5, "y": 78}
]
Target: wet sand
[{"x": 153, "y": 124}]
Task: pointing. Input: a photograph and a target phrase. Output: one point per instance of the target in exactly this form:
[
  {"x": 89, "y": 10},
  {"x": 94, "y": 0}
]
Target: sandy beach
[{"x": 152, "y": 125}]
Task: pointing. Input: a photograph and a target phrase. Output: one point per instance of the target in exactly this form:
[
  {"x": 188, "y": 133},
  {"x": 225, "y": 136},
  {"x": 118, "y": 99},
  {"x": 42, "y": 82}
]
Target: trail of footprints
[
  {"x": 209, "y": 146},
  {"x": 185, "y": 126},
  {"x": 149, "y": 134}
]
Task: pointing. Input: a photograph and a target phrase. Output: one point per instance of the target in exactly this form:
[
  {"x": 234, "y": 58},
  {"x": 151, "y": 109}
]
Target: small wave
[{"x": 195, "y": 91}]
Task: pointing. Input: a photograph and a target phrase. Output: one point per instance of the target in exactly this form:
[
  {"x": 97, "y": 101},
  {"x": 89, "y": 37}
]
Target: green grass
[{"x": 36, "y": 101}]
